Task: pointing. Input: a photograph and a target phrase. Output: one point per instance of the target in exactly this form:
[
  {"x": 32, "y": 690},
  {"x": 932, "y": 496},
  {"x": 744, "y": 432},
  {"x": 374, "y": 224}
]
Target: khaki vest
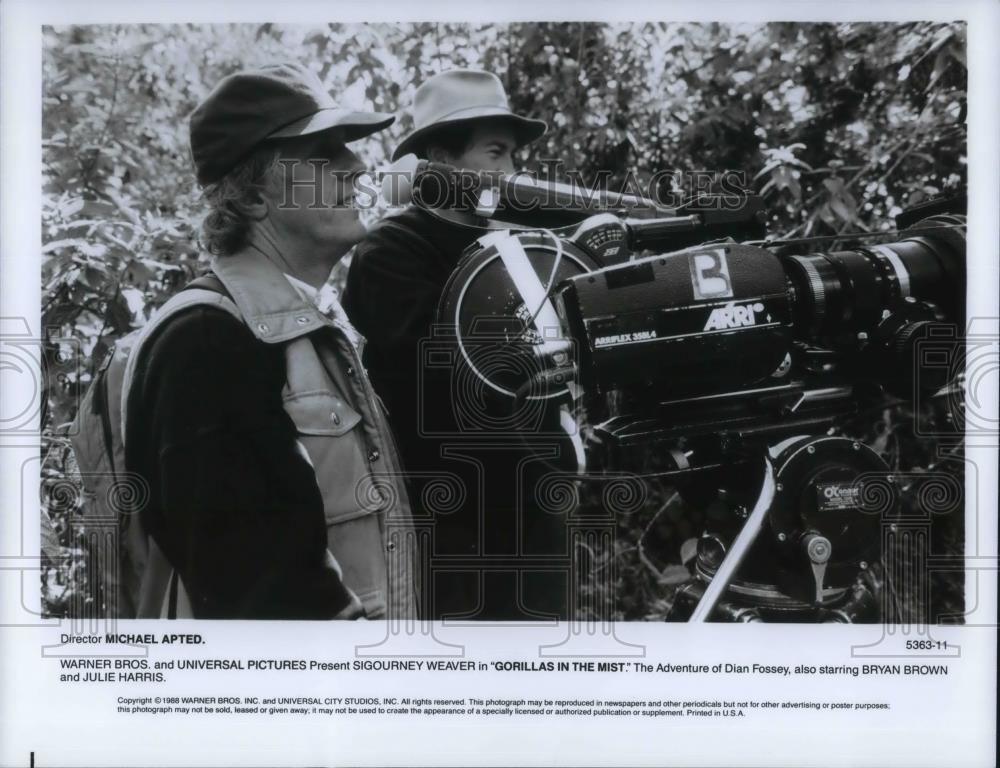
[{"x": 343, "y": 433}]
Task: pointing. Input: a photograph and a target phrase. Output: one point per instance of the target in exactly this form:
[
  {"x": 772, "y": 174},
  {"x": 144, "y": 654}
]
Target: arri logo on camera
[{"x": 733, "y": 316}]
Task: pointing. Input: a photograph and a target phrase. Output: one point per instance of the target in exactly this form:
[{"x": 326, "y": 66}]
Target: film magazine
[{"x": 522, "y": 385}]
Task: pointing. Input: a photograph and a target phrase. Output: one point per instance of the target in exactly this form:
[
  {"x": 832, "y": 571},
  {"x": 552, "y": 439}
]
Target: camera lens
[
  {"x": 847, "y": 291},
  {"x": 837, "y": 292}
]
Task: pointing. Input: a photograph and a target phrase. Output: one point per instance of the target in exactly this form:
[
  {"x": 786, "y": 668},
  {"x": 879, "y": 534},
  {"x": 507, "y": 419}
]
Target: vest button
[
  {"x": 350, "y": 370},
  {"x": 373, "y": 454},
  {"x": 390, "y": 546}
]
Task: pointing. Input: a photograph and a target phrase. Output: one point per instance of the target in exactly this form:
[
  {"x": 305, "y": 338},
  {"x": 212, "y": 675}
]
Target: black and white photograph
[
  {"x": 506, "y": 322},
  {"x": 590, "y": 338}
]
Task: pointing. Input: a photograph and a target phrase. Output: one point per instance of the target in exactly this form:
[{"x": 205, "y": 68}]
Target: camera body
[{"x": 701, "y": 321}]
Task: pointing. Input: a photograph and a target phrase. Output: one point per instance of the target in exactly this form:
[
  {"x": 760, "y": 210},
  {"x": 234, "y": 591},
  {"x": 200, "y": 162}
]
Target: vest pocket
[
  {"x": 321, "y": 413},
  {"x": 329, "y": 432}
]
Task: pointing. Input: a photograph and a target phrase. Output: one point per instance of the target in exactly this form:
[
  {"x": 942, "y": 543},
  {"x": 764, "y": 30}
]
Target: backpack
[{"x": 134, "y": 578}]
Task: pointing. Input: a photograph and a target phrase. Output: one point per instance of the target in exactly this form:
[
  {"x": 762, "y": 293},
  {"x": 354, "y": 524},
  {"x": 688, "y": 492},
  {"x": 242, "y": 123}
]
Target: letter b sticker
[{"x": 710, "y": 275}]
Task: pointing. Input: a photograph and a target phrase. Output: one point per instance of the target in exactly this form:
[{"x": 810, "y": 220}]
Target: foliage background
[{"x": 837, "y": 125}]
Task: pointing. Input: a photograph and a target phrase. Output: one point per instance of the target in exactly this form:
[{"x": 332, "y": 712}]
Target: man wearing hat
[
  {"x": 397, "y": 274},
  {"x": 273, "y": 478}
]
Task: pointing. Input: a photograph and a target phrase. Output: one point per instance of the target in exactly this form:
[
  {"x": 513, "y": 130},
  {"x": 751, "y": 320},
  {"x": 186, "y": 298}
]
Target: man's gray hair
[{"x": 226, "y": 228}]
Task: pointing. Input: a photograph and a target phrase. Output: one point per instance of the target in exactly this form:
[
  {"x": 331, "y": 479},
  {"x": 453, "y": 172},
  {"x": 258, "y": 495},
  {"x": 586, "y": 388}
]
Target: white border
[{"x": 949, "y": 722}]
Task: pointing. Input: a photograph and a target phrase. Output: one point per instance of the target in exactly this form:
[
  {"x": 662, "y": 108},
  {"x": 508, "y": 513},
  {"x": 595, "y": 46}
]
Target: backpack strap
[
  {"x": 205, "y": 291},
  {"x": 209, "y": 281},
  {"x": 162, "y": 593},
  {"x": 102, "y": 397}
]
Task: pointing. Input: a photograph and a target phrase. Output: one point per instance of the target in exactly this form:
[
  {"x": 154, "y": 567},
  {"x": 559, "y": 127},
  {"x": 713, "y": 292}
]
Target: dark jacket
[
  {"x": 265, "y": 451},
  {"x": 491, "y": 547}
]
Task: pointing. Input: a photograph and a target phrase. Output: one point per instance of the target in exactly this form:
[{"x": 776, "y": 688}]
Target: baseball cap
[{"x": 272, "y": 102}]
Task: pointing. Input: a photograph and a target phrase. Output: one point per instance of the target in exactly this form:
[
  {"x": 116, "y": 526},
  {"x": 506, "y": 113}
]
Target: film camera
[{"x": 724, "y": 364}]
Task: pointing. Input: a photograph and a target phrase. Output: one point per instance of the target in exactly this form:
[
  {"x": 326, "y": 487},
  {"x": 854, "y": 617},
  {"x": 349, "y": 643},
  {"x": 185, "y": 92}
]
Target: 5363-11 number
[{"x": 926, "y": 645}]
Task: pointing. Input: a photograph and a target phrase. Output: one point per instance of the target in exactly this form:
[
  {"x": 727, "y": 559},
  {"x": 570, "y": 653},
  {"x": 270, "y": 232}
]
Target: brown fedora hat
[{"x": 459, "y": 95}]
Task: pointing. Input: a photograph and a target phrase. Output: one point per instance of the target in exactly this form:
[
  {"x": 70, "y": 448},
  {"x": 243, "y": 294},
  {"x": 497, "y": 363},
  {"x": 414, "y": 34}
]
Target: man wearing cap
[
  {"x": 397, "y": 274},
  {"x": 273, "y": 478}
]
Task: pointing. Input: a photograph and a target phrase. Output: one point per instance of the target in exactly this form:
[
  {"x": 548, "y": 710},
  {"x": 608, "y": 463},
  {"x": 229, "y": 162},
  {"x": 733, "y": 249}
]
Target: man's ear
[{"x": 254, "y": 205}]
